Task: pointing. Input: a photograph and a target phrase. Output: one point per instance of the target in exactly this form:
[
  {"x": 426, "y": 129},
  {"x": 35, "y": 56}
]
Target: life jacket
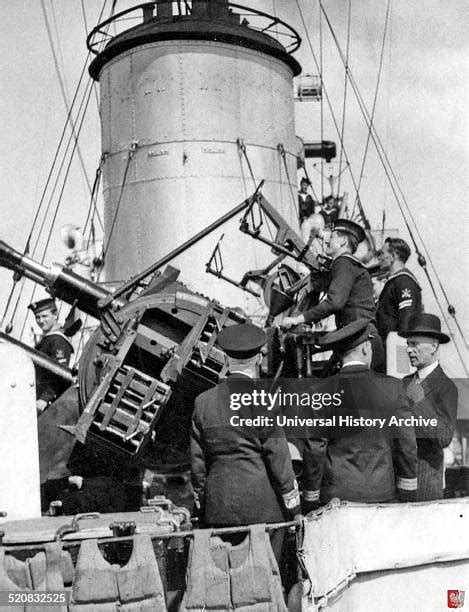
[
  {"x": 43, "y": 572},
  {"x": 222, "y": 577},
  {"x": 102, "y": 587}
]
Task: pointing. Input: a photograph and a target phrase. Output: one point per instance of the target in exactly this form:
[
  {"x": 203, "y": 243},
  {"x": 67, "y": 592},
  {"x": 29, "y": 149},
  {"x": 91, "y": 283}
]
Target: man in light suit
[{"x": 432, "y": 395}]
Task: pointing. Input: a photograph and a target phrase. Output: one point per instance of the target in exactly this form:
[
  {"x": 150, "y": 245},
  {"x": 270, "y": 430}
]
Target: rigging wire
[
  {"x": 44, "y": 191},
  {"x": 375, "y": 100},
  {"x": 93, "y": 201},
  {"x": 85, "y": 22},
  {"x": 44, "y": 219},
  {"x": 396, "y": 188},
  {"x": 336, "y": 126},
  {"x": 344, "y": 103},
  {"x": 63, "y": 91},
  {"x": 281, "y": 151},
  {"x": 89, "y": 89},
  {"x": 321, "y": 102},
  {"x": 130, "y": 154}
]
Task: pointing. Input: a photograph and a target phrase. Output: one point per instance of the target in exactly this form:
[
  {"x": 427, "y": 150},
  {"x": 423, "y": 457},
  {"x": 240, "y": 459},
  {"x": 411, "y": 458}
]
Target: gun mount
[{"x": 153, "y": 353}]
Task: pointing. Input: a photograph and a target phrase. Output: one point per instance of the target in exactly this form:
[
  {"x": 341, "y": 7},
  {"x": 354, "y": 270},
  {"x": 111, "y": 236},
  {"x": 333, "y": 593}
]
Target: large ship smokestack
[{"x": 196, "y": 110}]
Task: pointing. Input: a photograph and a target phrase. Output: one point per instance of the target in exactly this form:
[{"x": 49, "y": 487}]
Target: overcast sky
[{"x": 421, "y": 116}]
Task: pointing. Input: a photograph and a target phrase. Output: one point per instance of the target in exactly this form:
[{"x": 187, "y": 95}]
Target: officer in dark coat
[
  {"x": 240, "y": 474},
  {"x": 401, "y": 297},
  {"x": 55, "y": 344},
  {"x": 359, "y": 463},
  {"x": 350, "y": 291},
  {"x": 432, "y": 395}
]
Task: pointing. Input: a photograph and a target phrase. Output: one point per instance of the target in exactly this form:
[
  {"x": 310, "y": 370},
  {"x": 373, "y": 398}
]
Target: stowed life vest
[
  {"x": 102, "y": 587},
  {"x": 221, "y": 576},
  {"x": 44, "y": 572}
]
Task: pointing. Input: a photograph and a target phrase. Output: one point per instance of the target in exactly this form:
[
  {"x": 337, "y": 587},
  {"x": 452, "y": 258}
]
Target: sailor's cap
[
  {"x": 350, "y": 227},
  {"x": 40, "y": 305},
  {"x": 241, "y": 341},
  {"x": 348, "y": 337}
]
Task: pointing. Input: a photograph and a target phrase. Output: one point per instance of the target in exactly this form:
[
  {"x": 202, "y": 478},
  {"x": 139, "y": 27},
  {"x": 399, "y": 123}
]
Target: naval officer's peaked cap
[
  {"x": 348, "y": 337},
  {"x": 40, "y": 305},
  {"x": 350, "y": 227},
  {"x": 241, "y": 341}
]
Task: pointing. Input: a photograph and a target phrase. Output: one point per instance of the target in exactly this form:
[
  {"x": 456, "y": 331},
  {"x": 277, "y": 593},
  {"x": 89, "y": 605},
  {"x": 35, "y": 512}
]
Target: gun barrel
[{"x": 64, "y": 283}]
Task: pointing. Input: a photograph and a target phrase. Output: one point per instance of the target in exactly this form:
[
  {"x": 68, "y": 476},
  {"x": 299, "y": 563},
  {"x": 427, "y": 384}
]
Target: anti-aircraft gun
[
  {"x": 155, "y": 349},
  {"x": 152, "y": 354}
]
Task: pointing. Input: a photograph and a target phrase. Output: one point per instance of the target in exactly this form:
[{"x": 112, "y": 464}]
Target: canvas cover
[{"x": 386, "y": 556}]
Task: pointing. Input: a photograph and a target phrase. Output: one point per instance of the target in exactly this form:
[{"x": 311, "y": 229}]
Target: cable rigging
[
  {"x": 375, "y": 99},
  {"x": 396, "y": 188},
  {"x": 68, "y": 121},
  {"x": 336, "y": 126},
  {"x": 344, "y": 103}
]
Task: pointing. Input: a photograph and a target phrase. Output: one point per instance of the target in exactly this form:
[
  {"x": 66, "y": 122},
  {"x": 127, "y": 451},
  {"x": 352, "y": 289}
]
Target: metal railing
[{"x": 253, "y": 19}]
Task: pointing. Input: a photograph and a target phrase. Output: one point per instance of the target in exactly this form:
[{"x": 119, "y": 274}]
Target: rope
[
  {"x": 89, "y": 89},
  {"x": 375, "y": 100},
  {"x": 344, "y": 104},
  {"x": 93, "y": 205},
  {"x": 321, "y": 102},
  {"x": 366, "y": 223},
  {"x": 396, "y": 189},
  {"x": 132, "y": 149},
  {"x": 281, "y": 150},
  {"x": 85, "y": 23},
  {"x": 64, "y": 93},
  {"x": 242, "y": 148},
  {"x": 44, "y": 191}
]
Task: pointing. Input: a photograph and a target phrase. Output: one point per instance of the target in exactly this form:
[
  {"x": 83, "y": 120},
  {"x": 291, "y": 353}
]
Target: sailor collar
[
  {"x": 350, "y": 256},
  {"x": 57, "y": 332},
  {"x": 402, "y": 272}
]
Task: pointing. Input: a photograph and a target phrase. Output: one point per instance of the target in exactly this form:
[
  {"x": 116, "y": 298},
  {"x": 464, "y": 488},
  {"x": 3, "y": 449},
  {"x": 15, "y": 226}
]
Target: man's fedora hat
[{"x": 425, "y": 324}]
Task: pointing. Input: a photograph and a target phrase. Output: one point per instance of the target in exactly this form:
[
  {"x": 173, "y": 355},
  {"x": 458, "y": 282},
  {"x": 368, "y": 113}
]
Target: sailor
[
  {"x": 375, "y": 464},
  {"x": 330, "y": 210},
  {"x": 55, "y": 344},
  {"x": 306, "y": 204},
  {"x": 350, "y": 291},
  {"x": 401, "y": 297},
  {"x": 432, "y": 395},
  {"x": 241, "y": 474}
]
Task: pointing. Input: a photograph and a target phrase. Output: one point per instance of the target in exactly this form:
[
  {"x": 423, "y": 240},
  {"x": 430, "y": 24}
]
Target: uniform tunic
[
  {"x": 363, "y": 465},
  {"x": 240, "y": 475},
  {"x": 439, "y": 400},
  {"x": 306, "y": 205},
  {"x": 349, "y": 294},
  {"x": 400, "y": 299},
  {"x": 58, "y": 347}
]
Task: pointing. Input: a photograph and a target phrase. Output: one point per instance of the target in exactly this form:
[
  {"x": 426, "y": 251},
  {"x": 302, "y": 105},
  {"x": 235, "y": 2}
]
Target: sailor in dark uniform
[
  {"x": 55, "y": 344},
  {"x": 360, "y": 464},
  {"x": 432, "y": 395},
  {"x": 241, "y": 474},
  {"x": 350, "y": 291},
  {"x": 401, "y": 297},
  {"x": 306, "y": 204}
]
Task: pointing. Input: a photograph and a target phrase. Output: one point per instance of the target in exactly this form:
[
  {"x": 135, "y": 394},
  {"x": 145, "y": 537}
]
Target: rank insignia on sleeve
[{"x": 406, "y": 293}]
